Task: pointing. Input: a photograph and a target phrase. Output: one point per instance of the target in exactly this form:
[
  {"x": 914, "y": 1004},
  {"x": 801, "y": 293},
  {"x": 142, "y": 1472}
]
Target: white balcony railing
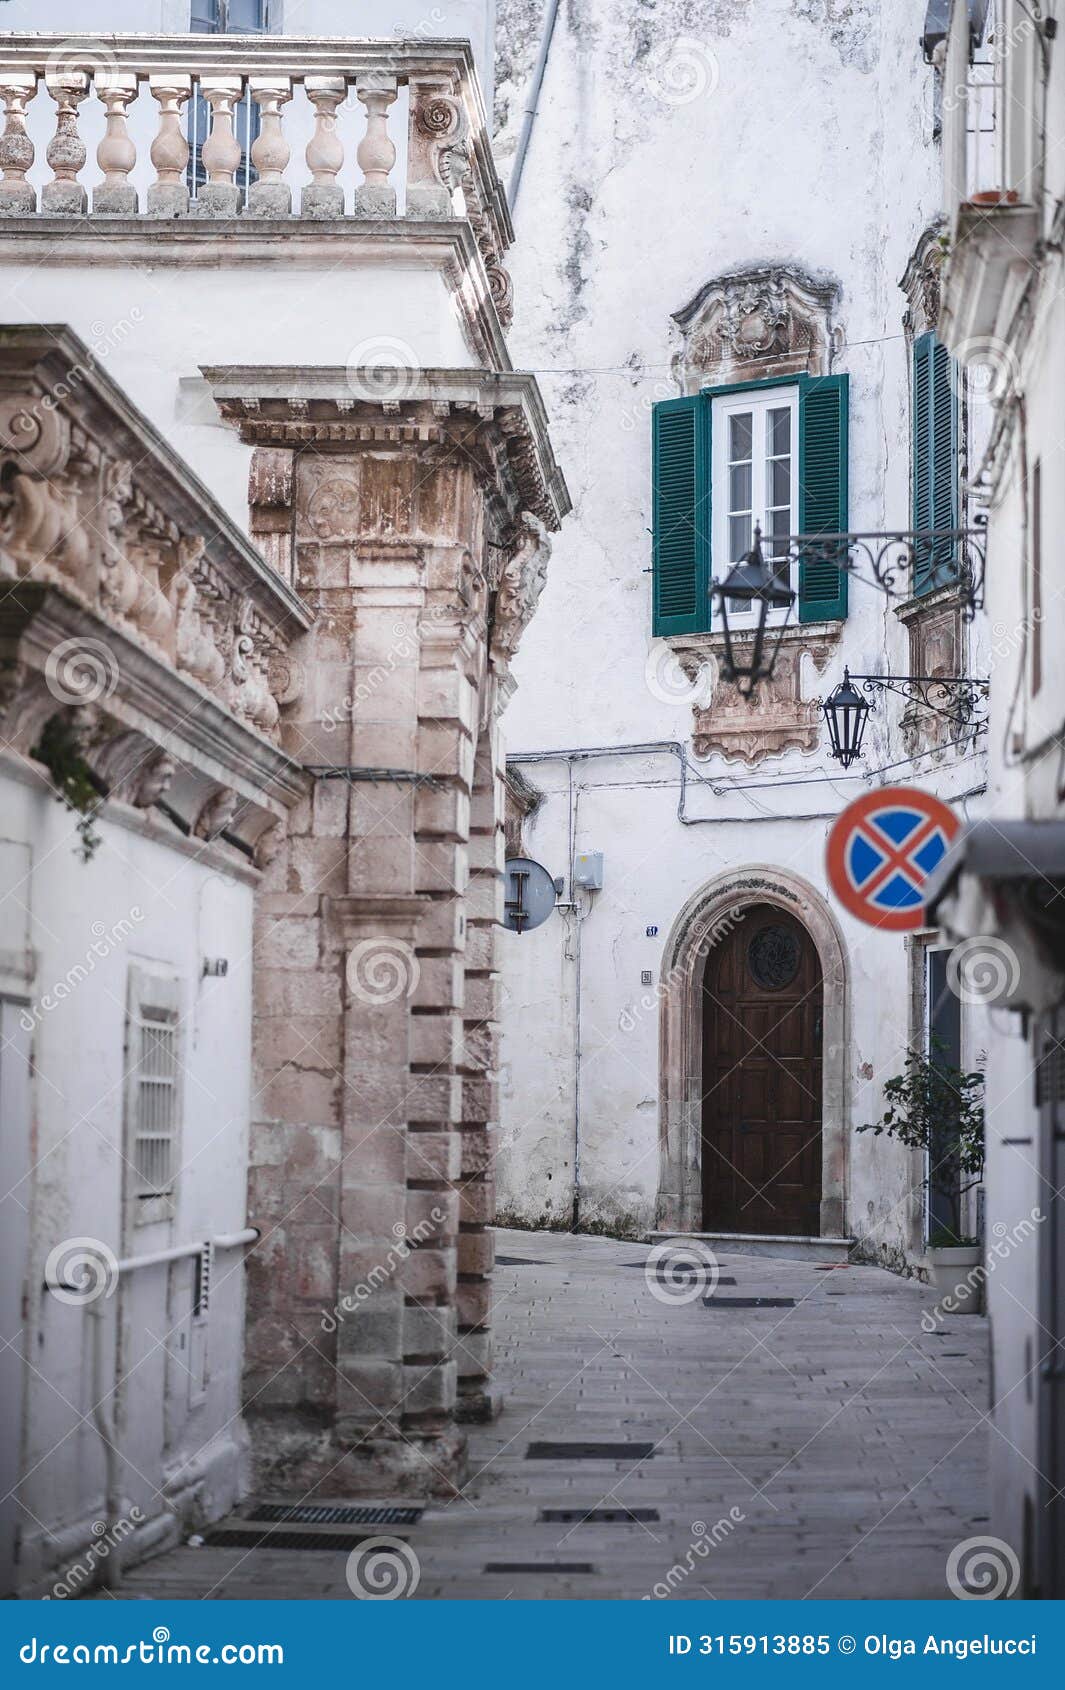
[{"x": 326, "y": 140}]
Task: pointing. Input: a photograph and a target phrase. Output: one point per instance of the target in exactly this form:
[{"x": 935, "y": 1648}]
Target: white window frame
[
  {"x": 152, "y": 996},
  {"x": 759, "y": 402}
]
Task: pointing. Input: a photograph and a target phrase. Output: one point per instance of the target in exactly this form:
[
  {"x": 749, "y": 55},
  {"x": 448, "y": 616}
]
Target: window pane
[
  {"x": 739, "y": 537},
  {"x": 778, "y": 435},
  {"x": 779, "y": 523},
  {"x": 740, "y": 436},
  {"x": 739, "y": 494},
  {"x": 780, "y": 481}
]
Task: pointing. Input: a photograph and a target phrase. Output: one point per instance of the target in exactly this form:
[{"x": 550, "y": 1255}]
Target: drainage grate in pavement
[
  {"x": 281, "y": 1537},
  {"x": 329, "y": 1514},
  {"x": 588, "y": 1452},
  {"x": 519, "y": 1262},
  {"x": 540, "y": 1567},
  {"x": 749, "y": 1302},
  {"x": 599, "y": 1516}
]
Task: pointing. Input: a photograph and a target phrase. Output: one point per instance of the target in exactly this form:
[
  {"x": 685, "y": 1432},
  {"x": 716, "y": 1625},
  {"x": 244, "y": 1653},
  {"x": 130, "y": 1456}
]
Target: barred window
[{"x": 154, "y": 1093}]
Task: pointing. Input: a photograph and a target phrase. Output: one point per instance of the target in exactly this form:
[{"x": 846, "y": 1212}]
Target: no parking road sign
[{"x": 881, "y": 851}]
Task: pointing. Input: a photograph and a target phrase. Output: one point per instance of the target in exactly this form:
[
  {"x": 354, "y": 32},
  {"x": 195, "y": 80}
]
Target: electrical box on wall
[{"x": 588, "y": 871}]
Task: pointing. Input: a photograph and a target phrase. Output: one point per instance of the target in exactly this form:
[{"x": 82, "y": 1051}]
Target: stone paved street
[{"x": 833, "y": 1449}]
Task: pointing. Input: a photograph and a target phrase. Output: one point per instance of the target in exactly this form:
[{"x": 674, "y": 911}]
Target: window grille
[{"x": 153, "y": 1097}]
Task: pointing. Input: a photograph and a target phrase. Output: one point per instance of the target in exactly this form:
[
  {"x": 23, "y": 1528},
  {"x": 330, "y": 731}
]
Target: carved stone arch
[
  {"x": 712, "y": 911},
  {"x": 760, "y": 321}
]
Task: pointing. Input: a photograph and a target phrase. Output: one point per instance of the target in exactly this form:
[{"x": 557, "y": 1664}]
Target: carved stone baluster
[
  {"x": 271, "y": 195},
  {"x": 168, "y": 195},
  {"x": 16, "y": 148},
  {"x": 221, "y": 152},
  {"x": 375, "y": 196},
  {"x": 323, "y": 196},
  {"x": 437, "y": 127},
  {"x": 116, "y": 155},
  {"x": 66, "y": 152}
]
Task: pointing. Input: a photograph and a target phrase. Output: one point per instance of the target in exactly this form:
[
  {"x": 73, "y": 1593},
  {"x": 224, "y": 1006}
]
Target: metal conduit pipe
[{"x": 532, "y": 104}]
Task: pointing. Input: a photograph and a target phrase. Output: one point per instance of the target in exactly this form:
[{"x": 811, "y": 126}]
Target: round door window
[{"x": 773, "y": 957}]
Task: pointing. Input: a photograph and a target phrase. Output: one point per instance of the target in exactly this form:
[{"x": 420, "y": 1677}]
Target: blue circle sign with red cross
[{"x": 881, "y": 851}]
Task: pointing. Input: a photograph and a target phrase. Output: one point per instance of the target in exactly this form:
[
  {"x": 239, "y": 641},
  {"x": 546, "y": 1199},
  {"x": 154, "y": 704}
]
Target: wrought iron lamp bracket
[
  {"x": 892, "y": 559},
  {"x": 961, "y": 695}
]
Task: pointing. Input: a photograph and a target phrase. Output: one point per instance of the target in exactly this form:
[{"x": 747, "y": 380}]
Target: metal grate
[
  {"x": 281, "y": 1537},
  {"x": 749, "y": 1302},
  {"x": 540, "y": 1567},
  {"x": 335, "y": 1514},
  {"x": 155, "y": 1073},
  {"x": 588, "y": 1452},
  {"x": 599, "y": 1516}
]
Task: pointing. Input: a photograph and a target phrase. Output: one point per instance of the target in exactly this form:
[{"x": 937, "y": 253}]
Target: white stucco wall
[
  {"x": 138, "y": 901},
  {"x": 804, "y": 139}
]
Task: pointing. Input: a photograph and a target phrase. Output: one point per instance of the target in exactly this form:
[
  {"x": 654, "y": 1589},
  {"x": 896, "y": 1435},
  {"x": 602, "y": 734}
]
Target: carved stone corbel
[{"x": 217, "y": 814}]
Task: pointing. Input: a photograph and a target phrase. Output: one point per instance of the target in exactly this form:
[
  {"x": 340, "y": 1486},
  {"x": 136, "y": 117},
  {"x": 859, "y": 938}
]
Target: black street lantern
[
  {"x": 846, "y": 713},
  {"x": 751, "y": 584}
]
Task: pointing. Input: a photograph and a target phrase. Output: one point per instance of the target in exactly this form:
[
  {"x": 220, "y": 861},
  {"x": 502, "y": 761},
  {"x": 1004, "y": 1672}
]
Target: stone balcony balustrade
[{"x": 359, "y": 131}]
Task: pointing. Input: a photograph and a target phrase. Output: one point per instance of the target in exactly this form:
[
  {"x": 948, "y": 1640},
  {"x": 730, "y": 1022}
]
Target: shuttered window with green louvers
[
  {"x": 681, "y": 515},
  {"x": 682, "y": 498},
  {"x": 934, "y": 463}
]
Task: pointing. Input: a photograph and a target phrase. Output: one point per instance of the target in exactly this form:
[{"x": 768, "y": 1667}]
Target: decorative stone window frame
[
  {"x": 694, "y": 933},
  {"x": 759, "y": 321}
]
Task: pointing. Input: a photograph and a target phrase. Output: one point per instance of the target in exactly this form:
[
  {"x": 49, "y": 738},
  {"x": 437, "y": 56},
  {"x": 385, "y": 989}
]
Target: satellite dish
[{"x": 529, "y": 894}]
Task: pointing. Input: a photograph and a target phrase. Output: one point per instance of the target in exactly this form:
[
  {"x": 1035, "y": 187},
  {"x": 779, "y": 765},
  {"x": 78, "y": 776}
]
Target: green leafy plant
[
  {"x": 938, "y": 1108},
  {"x": 77, "y": 786}
]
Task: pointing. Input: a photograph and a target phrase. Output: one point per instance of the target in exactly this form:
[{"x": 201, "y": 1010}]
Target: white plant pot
[{"x": 957, "y": 1278}]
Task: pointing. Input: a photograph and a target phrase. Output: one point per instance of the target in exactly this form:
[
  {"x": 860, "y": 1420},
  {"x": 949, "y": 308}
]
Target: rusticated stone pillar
[
  {"x": 368, "y": 1302},
  {"x": 479, "y": 1081}
]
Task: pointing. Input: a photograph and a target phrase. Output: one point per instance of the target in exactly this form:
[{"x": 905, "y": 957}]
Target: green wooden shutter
[
  {"x": 935, "y": 459},
  {"x": 680, "y": 468},
  {"x": 822, "y": 491}
]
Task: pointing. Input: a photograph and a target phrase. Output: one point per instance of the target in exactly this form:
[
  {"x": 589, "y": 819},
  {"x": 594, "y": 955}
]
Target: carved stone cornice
[
  {"x": 494, "y": 419},
  {"x": 922, "y": 280},
  {"x": 760, "y": 321},
  {"x": 97, "y": 504},
  {"x": 150, "y": 732}
]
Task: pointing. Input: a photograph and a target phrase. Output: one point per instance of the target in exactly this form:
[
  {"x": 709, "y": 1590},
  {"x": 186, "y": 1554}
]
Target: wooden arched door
[{"x": 762, "y": 1036}]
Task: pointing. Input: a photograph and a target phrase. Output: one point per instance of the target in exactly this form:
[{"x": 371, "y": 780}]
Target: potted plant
[{"x": 939, "y": 1109}]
